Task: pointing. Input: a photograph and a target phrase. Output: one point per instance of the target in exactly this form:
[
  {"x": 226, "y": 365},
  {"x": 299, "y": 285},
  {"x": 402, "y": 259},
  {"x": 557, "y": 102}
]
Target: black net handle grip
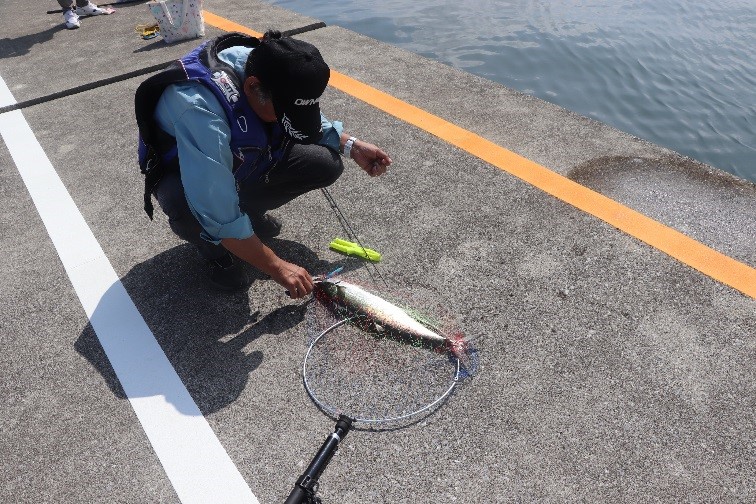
[{"x": 306, "y": 485}]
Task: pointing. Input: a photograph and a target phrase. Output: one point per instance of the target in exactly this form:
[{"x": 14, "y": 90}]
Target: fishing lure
[{"x": 354, "y": 249}]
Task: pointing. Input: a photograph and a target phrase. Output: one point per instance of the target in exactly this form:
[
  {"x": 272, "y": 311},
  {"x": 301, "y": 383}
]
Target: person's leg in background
[{"x": 83, "y": 8}]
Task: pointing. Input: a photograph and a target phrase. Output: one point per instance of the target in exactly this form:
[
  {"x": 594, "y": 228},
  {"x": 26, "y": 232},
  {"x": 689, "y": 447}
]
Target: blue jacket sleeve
[
  {"x": 331, "y": 133},
  {"x": 191, "y": 114}
]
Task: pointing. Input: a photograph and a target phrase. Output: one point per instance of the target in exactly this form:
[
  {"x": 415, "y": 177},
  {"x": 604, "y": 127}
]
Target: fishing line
[
  {"x": 371, "y": 369},
  {"x": 351, "y": 234}
]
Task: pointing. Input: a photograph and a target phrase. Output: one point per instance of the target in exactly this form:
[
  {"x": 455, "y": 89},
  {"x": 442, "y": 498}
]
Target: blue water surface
[{"x": 679, "y": 73}]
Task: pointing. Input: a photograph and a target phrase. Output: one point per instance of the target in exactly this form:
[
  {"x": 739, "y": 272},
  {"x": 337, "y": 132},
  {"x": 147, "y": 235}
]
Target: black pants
[{"x": 302, "y": 169}]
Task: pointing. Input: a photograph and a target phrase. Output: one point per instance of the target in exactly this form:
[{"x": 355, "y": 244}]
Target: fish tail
[
  {"x": 457, "y": 345},
  {"x": 467, "y": 354}
]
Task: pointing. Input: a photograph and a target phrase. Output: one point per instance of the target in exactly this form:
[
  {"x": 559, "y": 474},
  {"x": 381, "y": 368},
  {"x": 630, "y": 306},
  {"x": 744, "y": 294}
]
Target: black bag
[{"x": 154, "y": 159}]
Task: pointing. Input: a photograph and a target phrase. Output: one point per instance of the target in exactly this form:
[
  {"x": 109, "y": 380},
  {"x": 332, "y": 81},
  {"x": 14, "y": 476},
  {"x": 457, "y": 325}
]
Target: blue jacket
[{"x": 203, "y": 119}]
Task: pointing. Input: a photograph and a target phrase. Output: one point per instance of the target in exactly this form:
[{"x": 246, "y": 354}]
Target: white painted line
[{"x": 197, "y": 465}]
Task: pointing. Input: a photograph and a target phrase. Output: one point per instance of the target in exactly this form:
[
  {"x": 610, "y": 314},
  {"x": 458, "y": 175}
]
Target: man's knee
[{"x": 327, "y": 164}]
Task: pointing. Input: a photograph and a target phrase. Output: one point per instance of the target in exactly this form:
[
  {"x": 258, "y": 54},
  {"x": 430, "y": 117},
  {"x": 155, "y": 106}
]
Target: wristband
[{"x": 348, "y": 147}]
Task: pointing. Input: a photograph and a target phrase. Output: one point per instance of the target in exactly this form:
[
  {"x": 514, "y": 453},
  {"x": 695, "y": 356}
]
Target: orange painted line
[
  {"x": 708, "y": 261},
  {"x": 227, "y": 25}
]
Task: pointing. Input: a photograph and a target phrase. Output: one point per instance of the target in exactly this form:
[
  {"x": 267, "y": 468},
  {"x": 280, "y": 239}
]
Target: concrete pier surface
[{"x": 608, "y": 285}]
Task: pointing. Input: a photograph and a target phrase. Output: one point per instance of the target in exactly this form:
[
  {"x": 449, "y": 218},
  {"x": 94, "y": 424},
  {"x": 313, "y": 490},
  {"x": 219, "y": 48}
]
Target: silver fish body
[{"x": 357, "y": 302}]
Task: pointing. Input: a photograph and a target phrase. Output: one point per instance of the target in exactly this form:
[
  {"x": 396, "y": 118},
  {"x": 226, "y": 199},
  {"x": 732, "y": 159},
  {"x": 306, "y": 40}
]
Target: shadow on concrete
[
  {"x": 20, "y": 46},
  {"x": 158, "y": 43},
  {"x": 202, "y": 332}
]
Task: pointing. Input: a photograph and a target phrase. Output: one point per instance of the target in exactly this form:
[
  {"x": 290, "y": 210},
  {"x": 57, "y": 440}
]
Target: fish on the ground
[{"x": 385, "y": 317}]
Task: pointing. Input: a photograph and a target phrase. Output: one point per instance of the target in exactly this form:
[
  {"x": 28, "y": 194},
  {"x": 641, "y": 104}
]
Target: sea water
[{"x": 678, "y": 73}]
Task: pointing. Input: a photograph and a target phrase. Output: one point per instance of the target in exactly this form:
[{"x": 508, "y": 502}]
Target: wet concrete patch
[{"x": 702, "y": 202}]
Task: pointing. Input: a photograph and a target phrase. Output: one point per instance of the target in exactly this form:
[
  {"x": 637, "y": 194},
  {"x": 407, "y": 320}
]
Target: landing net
[{"x": 371, "y": 374}]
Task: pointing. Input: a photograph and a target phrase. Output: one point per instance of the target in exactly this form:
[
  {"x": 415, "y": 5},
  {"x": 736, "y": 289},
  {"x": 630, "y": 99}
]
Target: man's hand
[
  {"x": 295, "y": 279},
  {"x": 370, "y": 158}
]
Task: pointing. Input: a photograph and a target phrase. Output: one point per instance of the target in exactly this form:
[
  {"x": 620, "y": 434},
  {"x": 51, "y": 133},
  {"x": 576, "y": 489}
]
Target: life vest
[{"x": 256, "y": 146}]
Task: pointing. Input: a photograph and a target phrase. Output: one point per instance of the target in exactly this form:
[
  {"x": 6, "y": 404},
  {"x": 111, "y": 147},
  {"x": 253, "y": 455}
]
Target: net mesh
[{"x": 372, "y": 374}]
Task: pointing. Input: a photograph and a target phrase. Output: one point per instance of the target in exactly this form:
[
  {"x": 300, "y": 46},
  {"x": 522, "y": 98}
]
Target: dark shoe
[
  {"x": 227, "y": 274},
  {"x": 265, "y": 226}
]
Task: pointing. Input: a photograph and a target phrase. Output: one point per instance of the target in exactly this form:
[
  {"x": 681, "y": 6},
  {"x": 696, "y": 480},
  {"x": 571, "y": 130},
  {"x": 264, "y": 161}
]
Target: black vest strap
[{"x": 151, "y": 137}]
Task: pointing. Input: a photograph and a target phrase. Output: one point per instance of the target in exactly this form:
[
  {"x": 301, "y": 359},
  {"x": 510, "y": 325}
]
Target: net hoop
[{"x": 334, "y": 412}]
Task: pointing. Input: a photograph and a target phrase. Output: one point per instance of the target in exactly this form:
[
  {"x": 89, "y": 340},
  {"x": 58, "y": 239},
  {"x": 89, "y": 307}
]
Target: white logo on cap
[
  {"x": 303, "y": 101},
  {"x": 226, "y": 86},
  {"x": 286, "y": 122}
]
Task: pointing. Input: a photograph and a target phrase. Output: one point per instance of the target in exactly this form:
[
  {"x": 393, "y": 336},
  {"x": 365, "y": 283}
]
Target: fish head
[{"x": 326, "y": 289}]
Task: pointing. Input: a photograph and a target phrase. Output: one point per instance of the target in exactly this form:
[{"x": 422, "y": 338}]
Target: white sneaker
[
  {"x": 90, "y": 10},
  {"x": 71, "y": 19}
]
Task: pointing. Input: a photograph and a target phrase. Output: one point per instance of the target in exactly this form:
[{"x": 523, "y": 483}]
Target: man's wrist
[{"x": 348, "y": 147}]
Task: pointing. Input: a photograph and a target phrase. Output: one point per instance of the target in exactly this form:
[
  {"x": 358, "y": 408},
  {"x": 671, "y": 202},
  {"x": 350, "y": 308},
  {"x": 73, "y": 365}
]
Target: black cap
[{"x": 294, "y": 73}]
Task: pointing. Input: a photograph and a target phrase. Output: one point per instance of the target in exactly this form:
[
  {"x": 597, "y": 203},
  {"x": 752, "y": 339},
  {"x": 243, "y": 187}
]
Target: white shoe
[
  {"x": 71, "y": 19},
  {"x": 90, "y": 10}
]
